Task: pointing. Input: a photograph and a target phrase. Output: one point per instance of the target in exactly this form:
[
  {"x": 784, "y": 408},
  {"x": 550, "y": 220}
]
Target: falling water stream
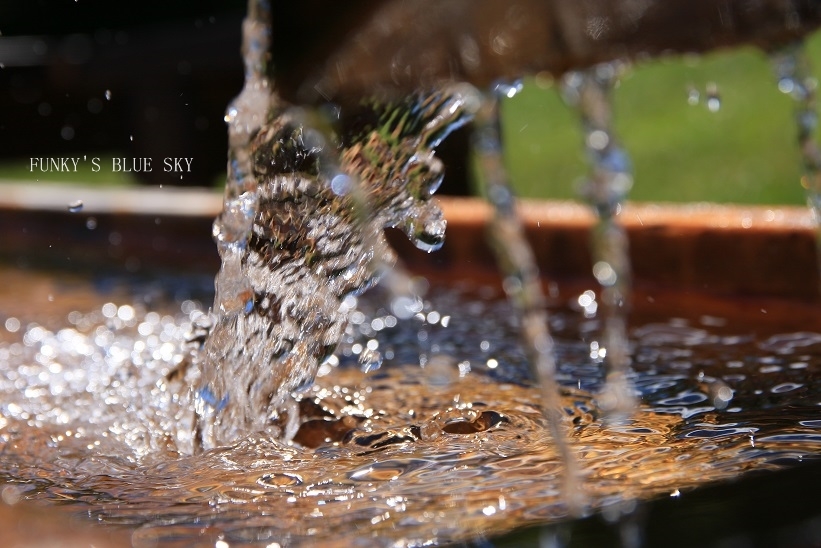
[
  {"x": 300, "y": 410},
  {"x": 589, "y": 91},
  {"x": 795, "y": 79},
  {"x": 94, "y": 421}
]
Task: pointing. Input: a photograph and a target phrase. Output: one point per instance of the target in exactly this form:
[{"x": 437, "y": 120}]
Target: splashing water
[
  {"x": 277, "y": 298},
  {"x": 311, "y": 248}
]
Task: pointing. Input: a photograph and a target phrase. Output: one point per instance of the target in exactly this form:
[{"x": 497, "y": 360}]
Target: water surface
[{"x": 444, "y": 442}]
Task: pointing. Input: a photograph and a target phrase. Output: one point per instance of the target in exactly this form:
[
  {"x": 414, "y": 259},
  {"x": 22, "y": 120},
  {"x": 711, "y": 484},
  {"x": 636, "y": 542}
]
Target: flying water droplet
[
  {"x": 75, "y": 206},
  {"x": 426, "y": 229},
  {"x": 508, "y": 89},
  {"x": 693, "y": 96},
  {"x": 604, "y": 273},
  {"x": 370, "y": 360},
  {"x": 230, "y": 114},
  {"x": 713, "y": 97},
  {"x": 406, "y": 306},
  {"x": 786, "y": 85},
  {"x": 108, "y": 95},
  {"x": 234, "y": 223},
  {"x": 341, "y": 184}
]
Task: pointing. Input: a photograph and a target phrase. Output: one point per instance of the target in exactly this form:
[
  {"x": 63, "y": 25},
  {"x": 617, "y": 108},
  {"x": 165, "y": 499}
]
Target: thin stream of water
[
  {"x": 245, "y": 116},
  {"x": 794, "y": 78},
  {"x": 606, "y": 190},
  {"x": 522, "y": 281}
]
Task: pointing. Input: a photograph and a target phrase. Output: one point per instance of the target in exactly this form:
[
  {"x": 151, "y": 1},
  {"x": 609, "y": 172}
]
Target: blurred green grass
[{"x": 745, "y": 152}]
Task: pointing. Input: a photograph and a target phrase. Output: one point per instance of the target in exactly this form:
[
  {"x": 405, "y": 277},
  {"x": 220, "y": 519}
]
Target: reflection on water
[{"x": 93, "y": 420}]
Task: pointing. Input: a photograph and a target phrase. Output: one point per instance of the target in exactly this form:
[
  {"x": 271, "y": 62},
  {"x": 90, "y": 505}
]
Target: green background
[{"x": 746, "y": 152}]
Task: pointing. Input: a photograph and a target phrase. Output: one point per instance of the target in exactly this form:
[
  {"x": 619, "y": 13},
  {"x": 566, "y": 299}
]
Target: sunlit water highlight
[{"x": 446, "y": 441}]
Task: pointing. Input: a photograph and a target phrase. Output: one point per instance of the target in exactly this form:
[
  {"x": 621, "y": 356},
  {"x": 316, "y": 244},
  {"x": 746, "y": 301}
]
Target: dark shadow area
[{"x": 762, "y": 509}]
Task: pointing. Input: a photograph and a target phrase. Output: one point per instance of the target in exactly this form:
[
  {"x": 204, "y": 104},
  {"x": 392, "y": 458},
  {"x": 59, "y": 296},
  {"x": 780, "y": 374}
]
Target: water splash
[
  {"x": 606, "y": 189},
  {"x": 316, "y": 239},
  {"x": 244, "y": 116}
]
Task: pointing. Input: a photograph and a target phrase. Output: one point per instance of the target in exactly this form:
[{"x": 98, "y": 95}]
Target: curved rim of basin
[{"x": 731, "y": 260}]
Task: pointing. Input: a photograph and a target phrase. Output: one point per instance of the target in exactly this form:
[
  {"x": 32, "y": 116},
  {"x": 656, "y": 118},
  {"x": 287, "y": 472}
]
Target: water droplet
[
  {"x": 720, "y": 394},
  {"x": 598, "y": 140},
  {"x": 786, "y": 85},
  {"x": 713, "y": 98},
  {"x": 234, "y": 223},
  {"x": 427, "y": 229},
  {"x": 11, "y": 494},
  {"x": 406, "y": 306},
  {"x": 508, "y": 89},
  {"x": 12, "y": 325},
  {"x": 604, "y": 273},
  {"x": 230, "y": 114},
  {"x": 370, "y": 360},
  {"x": 75, "y": 206},
  {"x": 341, "y": 184},
  {"x": 108, "y": 95},
  {"x": 693, "y": 96}
]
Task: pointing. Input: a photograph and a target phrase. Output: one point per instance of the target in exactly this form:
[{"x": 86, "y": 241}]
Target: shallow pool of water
[{"x": 444, "y": 442}]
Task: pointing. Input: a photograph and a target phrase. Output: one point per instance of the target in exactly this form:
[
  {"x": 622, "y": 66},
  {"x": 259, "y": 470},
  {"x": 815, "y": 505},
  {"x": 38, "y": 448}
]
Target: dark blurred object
[
  {"x": 763, "y": 509},
  {"x": 400, "y": 46},
  {"x": 145, "y": 79}
]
